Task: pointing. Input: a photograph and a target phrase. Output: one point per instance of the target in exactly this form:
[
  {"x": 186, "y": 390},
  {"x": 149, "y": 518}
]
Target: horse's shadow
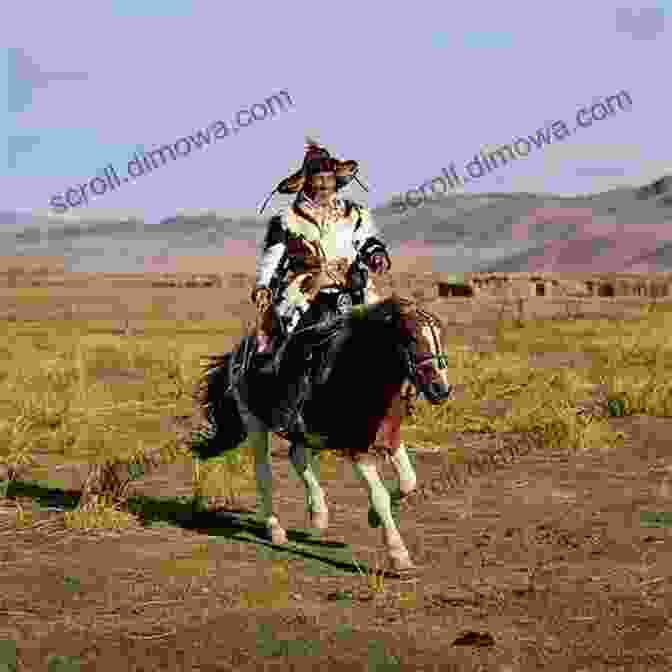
[{"x": 228, "y": 523}]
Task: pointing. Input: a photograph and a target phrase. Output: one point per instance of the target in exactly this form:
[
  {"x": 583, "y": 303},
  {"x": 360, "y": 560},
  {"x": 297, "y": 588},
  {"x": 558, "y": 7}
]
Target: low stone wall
[
  {"x": 488, "y": 311},
  {"x": 189, "y": 281},
  {"x": 522, "y": 285},
  {"x": 468, "y": 299}
]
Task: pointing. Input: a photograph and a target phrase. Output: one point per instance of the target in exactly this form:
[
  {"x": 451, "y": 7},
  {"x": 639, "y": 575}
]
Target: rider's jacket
[{"x": 305, "y": 232}]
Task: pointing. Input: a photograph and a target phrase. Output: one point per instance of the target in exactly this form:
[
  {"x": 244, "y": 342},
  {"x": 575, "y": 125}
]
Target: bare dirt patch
[{"x": 542, "y": 559}]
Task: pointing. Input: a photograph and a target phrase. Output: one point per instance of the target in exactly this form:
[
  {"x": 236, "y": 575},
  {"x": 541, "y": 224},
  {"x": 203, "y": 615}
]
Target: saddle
[
  {"x": 316, "y": 337},
  {"x": 323, "y": 321}
]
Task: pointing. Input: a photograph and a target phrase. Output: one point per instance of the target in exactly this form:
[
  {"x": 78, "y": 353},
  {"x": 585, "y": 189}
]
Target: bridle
[
  {"x": 426, "y": 319},
  {"x": 423, "y": 319}
]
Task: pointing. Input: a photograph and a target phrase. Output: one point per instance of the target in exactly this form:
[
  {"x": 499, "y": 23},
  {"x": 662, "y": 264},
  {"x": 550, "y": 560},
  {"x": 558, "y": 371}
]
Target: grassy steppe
[{"x": 79, "y": 392}]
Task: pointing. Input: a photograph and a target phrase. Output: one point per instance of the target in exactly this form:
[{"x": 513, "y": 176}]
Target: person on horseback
[{"x": 320, "y": 240}]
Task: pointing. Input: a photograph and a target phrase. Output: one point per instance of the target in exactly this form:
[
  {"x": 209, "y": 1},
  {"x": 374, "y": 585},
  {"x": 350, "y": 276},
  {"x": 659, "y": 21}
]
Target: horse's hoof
[
  {"x": 400, "y": 494},
  {"x": 319, "y": 520},
  {"x": 277, "y": 534},
  {"x": 400, "y": 561}
]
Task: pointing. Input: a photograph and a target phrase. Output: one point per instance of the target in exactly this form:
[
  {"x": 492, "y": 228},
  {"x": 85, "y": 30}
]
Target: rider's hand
[
  {"x": 262, "y": 298},
  {"x": 377, "y": 263}
]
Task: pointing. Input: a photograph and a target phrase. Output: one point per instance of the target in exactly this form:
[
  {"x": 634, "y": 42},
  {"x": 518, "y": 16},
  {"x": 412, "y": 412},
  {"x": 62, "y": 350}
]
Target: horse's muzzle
[
  {"x": 430, "y": 383},
  {"x": 435, "y": 392}
]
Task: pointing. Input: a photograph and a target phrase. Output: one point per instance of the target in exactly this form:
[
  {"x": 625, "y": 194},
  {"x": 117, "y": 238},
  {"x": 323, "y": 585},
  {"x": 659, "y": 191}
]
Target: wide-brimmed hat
[{"x": 317, "y": 160}]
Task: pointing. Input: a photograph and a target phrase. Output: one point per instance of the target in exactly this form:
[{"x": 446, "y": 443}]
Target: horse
[{"x": 362, "y": 361}]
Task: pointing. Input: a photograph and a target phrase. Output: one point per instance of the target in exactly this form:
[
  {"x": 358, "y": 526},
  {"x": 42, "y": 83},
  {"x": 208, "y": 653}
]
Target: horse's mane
[
  {"x": 393, "y": 306},
  {"x": 394, "y": 315},
  {"x": 366, "y": 368},
  {"x": 400, "y": 312}
]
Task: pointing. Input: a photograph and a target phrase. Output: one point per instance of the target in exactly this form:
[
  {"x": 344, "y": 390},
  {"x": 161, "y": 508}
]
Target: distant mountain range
[{"x": 622, "y": 230}]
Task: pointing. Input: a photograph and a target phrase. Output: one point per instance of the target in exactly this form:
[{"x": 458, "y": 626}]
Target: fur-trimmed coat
[{"x": 304, "y": 238}]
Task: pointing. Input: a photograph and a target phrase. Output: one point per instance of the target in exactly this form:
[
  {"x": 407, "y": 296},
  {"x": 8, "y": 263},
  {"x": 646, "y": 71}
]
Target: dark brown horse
[{"x": 363, "y": 360}]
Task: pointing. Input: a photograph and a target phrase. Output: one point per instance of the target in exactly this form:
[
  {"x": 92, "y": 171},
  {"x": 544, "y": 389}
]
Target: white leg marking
[
  {"x": 301, "y": 457},
  {"x": 404, "y": 469},
  {"x": 260, "y": 440},
  {"x": 380, "y": 501}
]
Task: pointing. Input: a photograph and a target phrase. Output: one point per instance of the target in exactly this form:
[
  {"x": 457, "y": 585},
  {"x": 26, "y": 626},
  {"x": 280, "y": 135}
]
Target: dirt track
[{"x": 545, "y": 557}]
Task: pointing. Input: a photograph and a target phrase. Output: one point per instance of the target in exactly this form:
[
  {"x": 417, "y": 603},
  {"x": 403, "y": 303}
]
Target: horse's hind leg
[
  {"x": 379, "y": 497},
  {"x": 260, "y": 440},
  {"x": 301, "y": 456}
]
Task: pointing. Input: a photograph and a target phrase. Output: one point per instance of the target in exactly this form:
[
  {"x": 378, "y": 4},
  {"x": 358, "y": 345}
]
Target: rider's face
[{"x": 321, "y": 187}]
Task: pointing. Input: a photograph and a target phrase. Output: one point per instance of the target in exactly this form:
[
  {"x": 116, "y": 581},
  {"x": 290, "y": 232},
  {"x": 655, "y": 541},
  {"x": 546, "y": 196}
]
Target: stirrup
[{"x": 296, "y": 428}]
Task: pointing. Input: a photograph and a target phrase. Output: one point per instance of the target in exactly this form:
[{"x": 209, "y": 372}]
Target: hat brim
[{"x": 344, "y": 171}]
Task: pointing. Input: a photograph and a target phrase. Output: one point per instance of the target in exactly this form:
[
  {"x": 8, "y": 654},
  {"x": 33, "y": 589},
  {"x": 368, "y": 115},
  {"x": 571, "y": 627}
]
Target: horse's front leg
[
  {"x": 379, "y": 497},
  {"x": 402, "y": 466},
  {"x": 389, "y": 440},
  {"x": 301, "y": 456},
  {"x": 406, "y": 479}
]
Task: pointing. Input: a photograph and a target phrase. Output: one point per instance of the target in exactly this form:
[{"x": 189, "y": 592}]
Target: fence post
[{"x": 521, "y": 313}]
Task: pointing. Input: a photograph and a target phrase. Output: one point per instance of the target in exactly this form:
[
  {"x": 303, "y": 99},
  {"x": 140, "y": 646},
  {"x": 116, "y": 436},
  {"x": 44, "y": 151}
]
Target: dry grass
[
  {"x": 103, "y": 398},
  {"x": 69, "y": 390},
  {"x": 223, "y": 478},
  {"x": 374, "y": 578},
  {"x": 631, "y": 365}
]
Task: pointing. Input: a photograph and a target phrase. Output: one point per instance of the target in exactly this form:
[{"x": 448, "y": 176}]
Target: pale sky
[{"x": 404, "y": 88}]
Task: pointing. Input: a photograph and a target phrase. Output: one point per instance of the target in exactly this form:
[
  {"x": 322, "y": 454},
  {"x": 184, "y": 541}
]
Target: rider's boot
[
  {"x": 288, "y": 410},
  {"x": 289, "y": 414}
]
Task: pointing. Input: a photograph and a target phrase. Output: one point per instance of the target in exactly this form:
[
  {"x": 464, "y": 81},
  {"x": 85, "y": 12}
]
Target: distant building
[{"x": 550, "y": 285}]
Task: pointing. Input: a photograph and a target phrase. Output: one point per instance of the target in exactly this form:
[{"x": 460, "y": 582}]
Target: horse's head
[
  {"x": 428, "y": 366},
  {"x": 419, "y": 337}
]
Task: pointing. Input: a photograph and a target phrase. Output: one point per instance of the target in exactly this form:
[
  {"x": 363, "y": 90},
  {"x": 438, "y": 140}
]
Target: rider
[{"x": 320, "y": 239}]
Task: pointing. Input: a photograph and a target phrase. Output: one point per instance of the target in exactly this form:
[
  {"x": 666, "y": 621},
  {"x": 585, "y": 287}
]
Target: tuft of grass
[
  {"x": 99, "y": 514},
  {"x": 381, "y": 661},
  {"x": 407, "y": 599},
  {"x": 226, "y": 476},
  {"x": 23, "y": 519},
  {"x": 63, "y": 664},
  {"x": 269, "y": 645},
  {"x": 273, "y": 590},
  {"x": 15, "y": 444},
  {"x": 326, "y": 465},
  {"x": 196, "y": 564},
  {"x": 8, "y": 655},
  {"x": 374, "y": 578}
]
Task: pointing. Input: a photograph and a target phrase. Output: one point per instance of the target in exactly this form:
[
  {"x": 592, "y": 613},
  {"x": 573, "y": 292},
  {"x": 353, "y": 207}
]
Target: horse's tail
[{"x": 215, "y": 397}]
